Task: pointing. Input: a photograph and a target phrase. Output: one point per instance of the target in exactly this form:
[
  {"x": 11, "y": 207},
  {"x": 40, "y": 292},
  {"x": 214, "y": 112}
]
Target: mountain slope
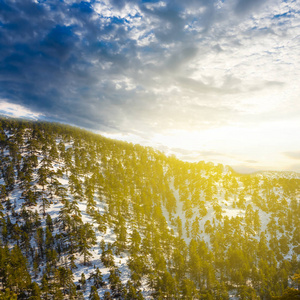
[{"x": 82, "y": 216}]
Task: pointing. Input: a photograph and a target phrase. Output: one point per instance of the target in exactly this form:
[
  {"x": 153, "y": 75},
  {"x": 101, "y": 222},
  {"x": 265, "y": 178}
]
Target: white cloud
[
  {"x": 17, "y": 111},
  {"x": 199, "y": 69}
]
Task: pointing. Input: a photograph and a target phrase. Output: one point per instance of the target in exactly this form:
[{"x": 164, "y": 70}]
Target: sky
[{"x": 212, "y": 80}]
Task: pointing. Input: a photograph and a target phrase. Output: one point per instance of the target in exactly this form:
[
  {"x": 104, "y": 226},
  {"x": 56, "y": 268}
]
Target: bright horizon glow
[
  {"x": 245, "y": 149},
  {"x": 269, "y": 146},
  {"x": 204, "y": 80}
]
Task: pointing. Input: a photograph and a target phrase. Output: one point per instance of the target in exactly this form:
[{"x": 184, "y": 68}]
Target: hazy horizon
[{"x": 204, "y": 80}]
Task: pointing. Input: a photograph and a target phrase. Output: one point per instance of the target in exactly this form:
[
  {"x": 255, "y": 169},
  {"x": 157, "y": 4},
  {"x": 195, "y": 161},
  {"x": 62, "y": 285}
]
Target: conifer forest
[{"x": 87, "y": 217}]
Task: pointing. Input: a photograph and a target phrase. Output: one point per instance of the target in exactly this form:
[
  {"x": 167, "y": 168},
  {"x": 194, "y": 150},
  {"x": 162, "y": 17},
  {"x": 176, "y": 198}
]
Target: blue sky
[{"x": 202, "y": 79}]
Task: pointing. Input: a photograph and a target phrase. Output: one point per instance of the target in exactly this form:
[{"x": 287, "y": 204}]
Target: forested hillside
[{"x": 86, "y": 217}]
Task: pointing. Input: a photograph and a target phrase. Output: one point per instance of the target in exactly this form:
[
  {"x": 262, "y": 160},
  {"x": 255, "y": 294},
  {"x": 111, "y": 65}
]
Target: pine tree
[
  {"x": 83, "y": 281},
  {"x": 8, "y": 295},
  {"x": 94, "y": 294},
  {"x": 97, "y": 279},
  {"x": 86, "y": 239}
]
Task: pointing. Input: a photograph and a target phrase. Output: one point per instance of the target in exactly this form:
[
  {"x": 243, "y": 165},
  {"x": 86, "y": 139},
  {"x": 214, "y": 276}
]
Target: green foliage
[
  {"x": 96, "y": 278},
  {"x": 54, "y": 177},
  {"x": 94, "y": 294},
  {"x": 8, "y": 295}
]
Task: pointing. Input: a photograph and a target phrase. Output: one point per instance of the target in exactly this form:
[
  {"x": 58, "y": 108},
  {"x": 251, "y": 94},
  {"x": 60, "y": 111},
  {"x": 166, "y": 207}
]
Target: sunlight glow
[{"x": 260, "y": 147}]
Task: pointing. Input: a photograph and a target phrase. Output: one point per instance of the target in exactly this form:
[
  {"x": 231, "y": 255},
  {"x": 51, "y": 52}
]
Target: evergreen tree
[
  {"x": 97, "y": 279},
  {"x": 94, "y": 294}
]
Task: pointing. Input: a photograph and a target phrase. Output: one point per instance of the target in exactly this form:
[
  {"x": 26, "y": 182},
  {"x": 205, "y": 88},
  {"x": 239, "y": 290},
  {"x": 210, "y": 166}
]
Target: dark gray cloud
[
  {"x": 246, "y": 6},
  {"x": 119, "y": 65},
  {"x": 65, "y": 59},
  {"x": 53, "y": 58}
]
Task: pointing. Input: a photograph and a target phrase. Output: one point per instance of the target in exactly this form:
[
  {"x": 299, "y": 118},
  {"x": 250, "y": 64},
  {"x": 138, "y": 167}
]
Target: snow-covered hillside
[{"x": 92, "y": 217}]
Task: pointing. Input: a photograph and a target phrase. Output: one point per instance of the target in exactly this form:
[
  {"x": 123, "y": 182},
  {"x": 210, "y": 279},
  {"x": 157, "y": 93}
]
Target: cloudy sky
[{"x": 213, "y": 80}]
